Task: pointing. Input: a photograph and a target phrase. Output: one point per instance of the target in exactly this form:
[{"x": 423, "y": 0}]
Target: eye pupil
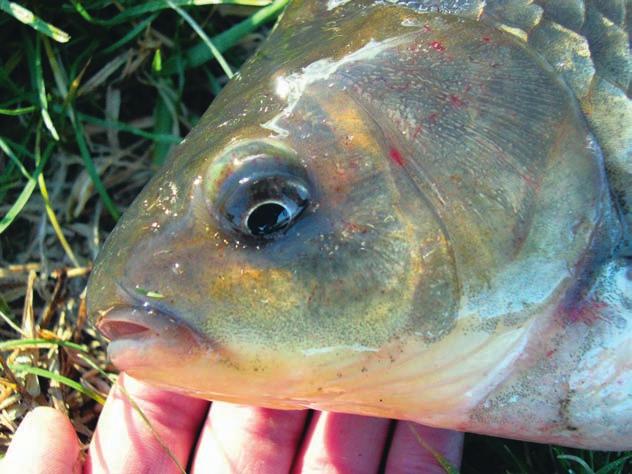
[{"x": 267, "y": 218}]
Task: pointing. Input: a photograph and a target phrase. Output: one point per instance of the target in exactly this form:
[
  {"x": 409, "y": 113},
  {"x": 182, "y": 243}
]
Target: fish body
[{"x": 407, "y": 209}]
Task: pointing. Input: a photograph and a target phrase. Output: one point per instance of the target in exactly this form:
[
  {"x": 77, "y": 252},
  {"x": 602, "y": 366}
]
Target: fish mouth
[
  {"x": 131, "y": 322},
  {"x": 143, "y": 336},
  {"x": 136, "y": 317}
]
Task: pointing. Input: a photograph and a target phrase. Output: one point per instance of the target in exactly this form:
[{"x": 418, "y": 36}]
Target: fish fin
[{"x": 573, "y": 384}]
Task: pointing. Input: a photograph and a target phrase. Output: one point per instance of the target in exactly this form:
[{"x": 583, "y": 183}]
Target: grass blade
[
  {"x": 17, "y": 111},
  {"x": 91, "y": 168},
  {"x": 614, "y": 466},
  {"x": 49, "y": 208},
  {"x": 200, "y": 53},
  {"x": 205, "y": 39},
  {"x": 104, "y": 73},
  {"x": 60, "y": 76},
  {"x": 27, "y": 17},
  {"x": 8, "y": 66},
  {"x": 38, "y": 81},
  {"x": 124, "y": 127},
  {"x": 26, "y": 193},
  {"x": 17, "y": 206},
  {"x": 30, "y": 343},
  {"x": 4, "y": 146},
  {"x": 27, "y": 369},
  {"x": 446, "y": 465},
  {"x": 147, "y": 422},
  {"x": 157, "y": 5},
  {"x": 7, "y": 319},
  {"x": 578, "y": 460},
  {"x": 163, "y": 123},
  {"x": 131, "y": 34}
]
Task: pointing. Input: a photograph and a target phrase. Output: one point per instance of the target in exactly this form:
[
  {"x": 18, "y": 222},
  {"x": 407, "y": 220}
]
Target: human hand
[{"x": 223, "y": 439}]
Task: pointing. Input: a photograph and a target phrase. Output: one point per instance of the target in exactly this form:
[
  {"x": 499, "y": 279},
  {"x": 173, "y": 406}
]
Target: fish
[{"x": 412, "y": 209}]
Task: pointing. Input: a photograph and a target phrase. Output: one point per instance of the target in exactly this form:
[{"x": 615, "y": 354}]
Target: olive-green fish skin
[{"x": 411, "y": 209}]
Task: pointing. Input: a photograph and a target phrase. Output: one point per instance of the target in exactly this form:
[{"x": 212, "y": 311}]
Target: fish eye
[{"x": 262, "y": 200}]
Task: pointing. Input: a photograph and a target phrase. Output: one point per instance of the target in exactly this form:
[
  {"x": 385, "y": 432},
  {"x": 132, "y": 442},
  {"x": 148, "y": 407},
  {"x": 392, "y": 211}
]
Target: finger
[
  {"x": 124, "y": 443},
  {"x": 247, "y": 439},
  {"x": 339, "y": 443},
  {"x": 45, "y": 441},
  {"x": 416, "y": 448}
]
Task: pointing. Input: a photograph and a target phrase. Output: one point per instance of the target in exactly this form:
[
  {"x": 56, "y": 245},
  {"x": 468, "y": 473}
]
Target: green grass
[{"x": 93, "y": 95}]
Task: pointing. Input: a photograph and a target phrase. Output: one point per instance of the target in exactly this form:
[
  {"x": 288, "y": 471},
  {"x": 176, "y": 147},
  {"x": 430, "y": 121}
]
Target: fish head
[
  {"x": 273, "y": 256},
  {"x": 368, "y": 220}
]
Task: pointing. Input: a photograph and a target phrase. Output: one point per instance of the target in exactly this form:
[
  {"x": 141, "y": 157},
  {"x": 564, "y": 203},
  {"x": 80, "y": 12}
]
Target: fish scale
[{"x": 587, "y": 43}]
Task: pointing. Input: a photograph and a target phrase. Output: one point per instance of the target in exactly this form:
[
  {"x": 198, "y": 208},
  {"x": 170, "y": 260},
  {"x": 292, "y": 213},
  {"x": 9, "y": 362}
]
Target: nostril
[{"x": 113, "y": 329}]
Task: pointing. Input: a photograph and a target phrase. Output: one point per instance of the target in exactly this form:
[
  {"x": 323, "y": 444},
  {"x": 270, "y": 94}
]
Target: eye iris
[{"x": 267, "y": 218}]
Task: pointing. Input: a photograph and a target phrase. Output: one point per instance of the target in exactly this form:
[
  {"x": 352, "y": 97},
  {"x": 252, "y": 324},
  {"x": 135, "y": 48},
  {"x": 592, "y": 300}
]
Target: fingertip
[
  {"x": 238, "y": 438},
  {"x": 338, "y": 442},
  {"x": 144, "y": 429},
  {"x": 45, "y": 441}
]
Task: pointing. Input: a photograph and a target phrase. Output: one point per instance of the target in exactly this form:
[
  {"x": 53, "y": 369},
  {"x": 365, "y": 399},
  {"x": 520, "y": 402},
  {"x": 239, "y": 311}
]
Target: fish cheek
[
  {"x": 430, "y": 272},
  {"x": 381, "y": 267},
  {"x": 339, "y": 277}
]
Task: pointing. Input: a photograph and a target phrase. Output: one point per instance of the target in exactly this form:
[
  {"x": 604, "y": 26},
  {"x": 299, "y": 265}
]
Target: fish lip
[
  {"x": 132, "y": 322},
  {"x": 137, "y": 325},
  {"x": 145, "y": 339},
  {"x": 134, "y": 317}
]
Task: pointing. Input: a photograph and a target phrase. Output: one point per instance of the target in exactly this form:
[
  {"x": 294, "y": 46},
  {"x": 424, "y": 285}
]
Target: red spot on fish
[
  {"x": 456, "y": 101},
  {"x": 414, "y": 48},
  {"x": 530, "y": 181},
  {"x": 396, "y": 157},
  {"x": 550, "y": 353},
  {"x": 354, "y": 228},
  {"x": 417, "y": 131},
  {"x": 587, "y": 312},
  {"x": 437, "y": 46},
  {"x": 487, "y": 39}
]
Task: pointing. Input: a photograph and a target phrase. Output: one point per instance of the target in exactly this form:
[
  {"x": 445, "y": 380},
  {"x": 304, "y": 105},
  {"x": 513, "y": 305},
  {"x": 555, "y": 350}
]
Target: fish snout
[{"x": 144, "y": 336}]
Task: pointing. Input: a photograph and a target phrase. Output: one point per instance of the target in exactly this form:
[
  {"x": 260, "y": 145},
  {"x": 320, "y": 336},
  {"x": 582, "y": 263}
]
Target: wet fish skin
[{"x": 436, "y": 273}]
